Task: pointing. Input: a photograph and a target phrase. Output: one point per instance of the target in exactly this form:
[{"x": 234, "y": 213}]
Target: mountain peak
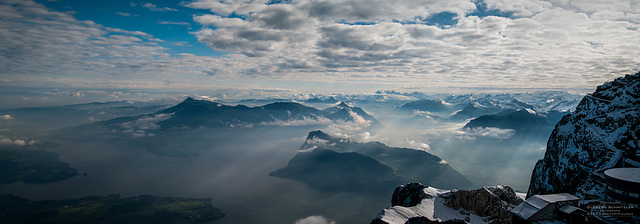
[
  {"x": 319, "y": 135},
  {"x": 343, "y": 104}
]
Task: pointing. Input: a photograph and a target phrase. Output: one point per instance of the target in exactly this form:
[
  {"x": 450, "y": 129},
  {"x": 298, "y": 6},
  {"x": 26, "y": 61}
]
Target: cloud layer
[
  {"x": 541, "y": 43},
  {"x": 410, "y": 45}
]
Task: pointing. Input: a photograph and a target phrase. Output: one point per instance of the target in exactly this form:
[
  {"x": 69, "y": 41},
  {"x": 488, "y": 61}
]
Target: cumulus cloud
[
  {"x": 316, "y": 219},
  {"x": 16, "y": 142},
  {"x": 419, "y": 145}
]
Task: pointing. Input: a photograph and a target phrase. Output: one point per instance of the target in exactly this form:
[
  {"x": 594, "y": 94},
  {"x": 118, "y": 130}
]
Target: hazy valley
[{"x": 236, "y": 153}]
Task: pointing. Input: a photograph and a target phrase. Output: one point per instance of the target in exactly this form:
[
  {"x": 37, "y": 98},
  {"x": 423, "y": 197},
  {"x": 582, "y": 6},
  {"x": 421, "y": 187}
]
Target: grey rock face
[
  {"x": 486, "y": 202},
  {"x": 600, "y": 134},
  {"x": 408, "y": 195}
]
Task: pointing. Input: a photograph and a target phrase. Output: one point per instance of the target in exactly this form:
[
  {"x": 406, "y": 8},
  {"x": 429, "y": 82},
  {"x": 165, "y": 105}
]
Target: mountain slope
[
  {"x": 405, "y": 164},
  {"x": 600, "y": 134},
  {"x": 524, "y": 122},
  {"x": 335, "y": 171}
]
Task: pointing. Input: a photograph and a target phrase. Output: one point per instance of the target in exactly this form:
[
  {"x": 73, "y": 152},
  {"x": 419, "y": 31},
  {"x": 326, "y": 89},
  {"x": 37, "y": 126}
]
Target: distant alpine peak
[
  {"x": 319, "y": 135},
  {"x": 343, "y": 105},
  {"x": 198, "y": 98}
]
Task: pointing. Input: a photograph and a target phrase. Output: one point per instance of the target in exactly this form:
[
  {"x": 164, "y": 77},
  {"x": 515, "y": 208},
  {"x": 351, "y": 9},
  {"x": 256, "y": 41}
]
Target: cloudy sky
[{"x": 289, "y": 46}]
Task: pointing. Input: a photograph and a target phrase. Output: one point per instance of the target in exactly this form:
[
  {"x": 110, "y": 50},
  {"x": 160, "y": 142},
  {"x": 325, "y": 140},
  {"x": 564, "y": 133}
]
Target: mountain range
[
  {"x": 456, "y": 108},
  {"x": 193, "y": 113}
]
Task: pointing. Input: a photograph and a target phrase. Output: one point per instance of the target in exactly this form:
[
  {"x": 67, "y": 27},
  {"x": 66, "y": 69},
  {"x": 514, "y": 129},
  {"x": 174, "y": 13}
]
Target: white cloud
[
  {"x": 298, "y": 122},
  {"x": 489, "y": 132},
  {"x": 6, "y": 117},
  {"x": 547, "y": 44},
  {"x": 125, "y": 14},
  {"x": 314, "y": 220},
  {"x": 173, "y": 23},
  {"x": 139, "y": 127},
  {"x": 418, "y": 145},
  {"x": 545, "y": 41},
  {"x": 154, "y": 7},
  {"x": 15, "y": 142}
]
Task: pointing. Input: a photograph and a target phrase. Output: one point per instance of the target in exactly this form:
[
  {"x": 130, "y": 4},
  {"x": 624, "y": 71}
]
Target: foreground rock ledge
[{"x": 415, "y": 203}]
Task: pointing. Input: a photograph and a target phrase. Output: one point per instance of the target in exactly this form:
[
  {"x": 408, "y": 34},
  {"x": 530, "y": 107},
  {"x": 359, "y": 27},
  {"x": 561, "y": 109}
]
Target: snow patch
[
  {"x": 315, "y": 219},
  {"x": 432, "y": 207}
]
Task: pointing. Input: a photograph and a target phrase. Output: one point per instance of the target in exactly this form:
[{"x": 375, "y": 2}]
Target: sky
[{"x": 223, "y": 48}]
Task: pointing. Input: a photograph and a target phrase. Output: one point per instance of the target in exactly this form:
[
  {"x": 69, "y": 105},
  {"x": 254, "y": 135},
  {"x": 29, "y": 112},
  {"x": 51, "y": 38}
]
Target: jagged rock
[
  {"x": 486, "y": 202},
  {"x": 414, "y": 203},
  {"x": 408, "y": 195},
  {"x": 600, "y": 134}
]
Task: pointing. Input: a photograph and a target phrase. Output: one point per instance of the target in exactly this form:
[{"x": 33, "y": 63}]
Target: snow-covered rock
[
  {"x": 415, "y": 203},
  {"x": 600, "y": 134}
]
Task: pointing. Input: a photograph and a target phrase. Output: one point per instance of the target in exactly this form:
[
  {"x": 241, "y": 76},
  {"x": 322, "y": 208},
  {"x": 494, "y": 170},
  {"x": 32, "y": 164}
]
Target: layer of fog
[
  {"x": 487, "y": 156},
  {"x": 233, "y": 168},
  {"x": 234, "y": 173}
]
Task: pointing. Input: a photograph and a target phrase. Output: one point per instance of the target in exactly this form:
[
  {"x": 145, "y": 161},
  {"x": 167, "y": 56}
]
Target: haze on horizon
[{"x": 61, "y": 52}]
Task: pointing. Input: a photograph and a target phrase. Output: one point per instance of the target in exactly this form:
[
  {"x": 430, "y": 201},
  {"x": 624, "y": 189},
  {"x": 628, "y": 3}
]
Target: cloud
[
  {"x": 541, "y": 42},
  {"x": 314, "y": 220},
  {"x": 298, "y": 122},
  {"x": 16, "y": 142},
  {"x": 367, "y": 44},
  {"x": 489, "y": 132},
  {"x": 419, "y": 145},
  {"x": 154, "y": 7},
  {"x": 125, "y": 14},
  {"x": 173, "y": 23},
  {"x": 6, "y": 117},
  {"x": 140, "y": 127}
]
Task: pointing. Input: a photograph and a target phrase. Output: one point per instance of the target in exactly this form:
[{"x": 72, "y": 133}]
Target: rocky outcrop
[
  {"x": 600, "y": 134},
  {"x": 486, "y": 202},
  {"x": 408, "y": 195},
  {"x": 415, "y": 204}
]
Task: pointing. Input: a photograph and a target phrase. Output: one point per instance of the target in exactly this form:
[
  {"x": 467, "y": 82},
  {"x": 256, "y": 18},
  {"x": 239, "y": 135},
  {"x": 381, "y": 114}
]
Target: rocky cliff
[{"x": 601, "y": 133}]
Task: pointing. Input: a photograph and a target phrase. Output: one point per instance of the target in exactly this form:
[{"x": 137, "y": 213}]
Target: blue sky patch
[
  {"x": 482, "y": 11},
  {"x": 171, "y": 23}
]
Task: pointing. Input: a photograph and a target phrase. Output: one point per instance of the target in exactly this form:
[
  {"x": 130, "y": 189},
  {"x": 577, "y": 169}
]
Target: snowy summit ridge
[{"x": 602, "y": 133}]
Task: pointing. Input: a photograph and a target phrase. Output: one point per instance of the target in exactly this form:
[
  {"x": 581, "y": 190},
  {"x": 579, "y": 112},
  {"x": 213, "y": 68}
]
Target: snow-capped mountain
[
  {"x": 601, "y": 133},
  {"x": 462, "y": 107},
  {"x": 548, "y": 101},
  {"x": 415, "y": 203}
]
